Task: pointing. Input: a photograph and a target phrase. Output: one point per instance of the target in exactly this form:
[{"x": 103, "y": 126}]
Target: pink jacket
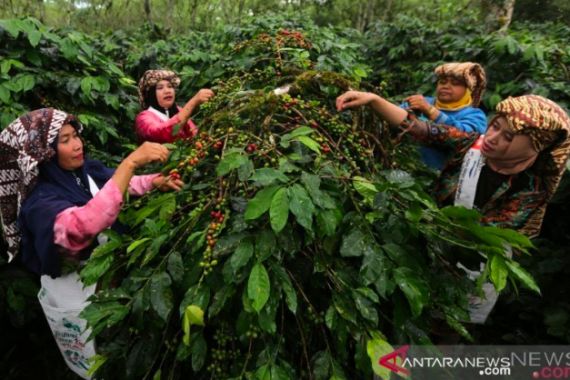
[
  {"x": 76, "y": 227},
  {"x": 153, "y": 125}
]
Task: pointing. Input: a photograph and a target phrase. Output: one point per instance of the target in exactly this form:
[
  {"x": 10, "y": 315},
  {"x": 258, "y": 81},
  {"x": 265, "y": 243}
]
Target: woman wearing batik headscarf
[
  {"x": 460, "y": 86},
  {"x": 508, "y": 174},
  {"x": 161, "y": 115},
  {"x": 54, "y": 203}
]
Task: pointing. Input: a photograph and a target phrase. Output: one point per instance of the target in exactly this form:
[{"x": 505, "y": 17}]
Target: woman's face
[
  {"x": 165, "y": 94},
  {"x": 450, "y": 89},
  {"x": 69, "y": 148},
  {"x": 500, "y": 143}
]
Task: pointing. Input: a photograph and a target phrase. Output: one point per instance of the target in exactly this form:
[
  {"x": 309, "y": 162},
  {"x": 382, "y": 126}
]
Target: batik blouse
[{"x": 514, "y": 201}]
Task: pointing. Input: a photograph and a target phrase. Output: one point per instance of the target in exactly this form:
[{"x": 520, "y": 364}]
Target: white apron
[{"x": 62, "y": 299}]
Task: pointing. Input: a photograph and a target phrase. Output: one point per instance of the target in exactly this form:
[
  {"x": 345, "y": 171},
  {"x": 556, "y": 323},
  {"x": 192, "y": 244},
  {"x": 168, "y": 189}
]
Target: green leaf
[
  {"x": 7, "y": 64},
  {"x": 242, "y": 254},
  {"x": 100, "y": 261},
  {"x": 258, "y": 287},
  {"x": 34, "y": 37},
  {"x": 331, "y": 317},
  {"x": 279, "y": 210},
  {"x": 103, "y": 315},
  {"x": 136, "y": 244},
  {"x": 376, "y": 270},
  {"x": 522, "y": 275},
  {"x": 301, "y": 205},
  {"x": 154, "y": 249},
  {"x": 11, "y": 26},
  {"x": 376, "y": 348},
  {"x": 322, "y": 365},
  {"x": 357, "y": 243},
  {"x": 320, "y": 198},
  {"x": 198, "y": 295},
  {"x": 328, "y": 221},
  {"x": 161, "y": 295},
  {"x": 359, "y": 72},
  {"x": 193, "y": 315},
  {"x": 199, "y": 351},
  {"x": 268, "y": 176},
  {"x": 260, "y": 203},
  {"x": 414, "y": 288},
  {"x": 265, "y": 244},
  {"x": 230, "y": 162},
  {"x": 95, "y": 362},
  {"x": 499, "y": 272},
  {"x": 175, "y": 267},
  {"x": 156, "y": 204},
  {"x": 512, "y": 237},
  {"x": 167, "y": 207},
  {"x": 26, "y": 82},
  {"x": 245, "y": 171},
  {"x": 263, "y": 373},
  {"x": 309, "y": 143},
  {"x": 87, "y": 84},
  {"x": 220, "y": 299},
  {"x": 4, "y": 95},
  {"x": 285, "y": 281},
  {"x": 364, "y": 187},
  {"x": 301, "y": 131},
  {"x": 365, "y": 306}
]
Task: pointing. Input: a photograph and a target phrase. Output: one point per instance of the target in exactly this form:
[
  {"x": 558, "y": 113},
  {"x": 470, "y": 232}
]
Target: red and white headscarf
[{"x": 24, "y": 144}]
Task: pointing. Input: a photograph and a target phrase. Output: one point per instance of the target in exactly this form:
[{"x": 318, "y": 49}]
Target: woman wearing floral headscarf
[
  {"x": 460, "y": 86},
  {"x": 54, "y": 202},
  {"x": 160, "y": 115},
  {"x": 508, "y": 174}
]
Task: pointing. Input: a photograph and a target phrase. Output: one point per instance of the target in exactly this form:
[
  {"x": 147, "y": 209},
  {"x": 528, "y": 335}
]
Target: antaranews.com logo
[{"x": 474, "y": 362}]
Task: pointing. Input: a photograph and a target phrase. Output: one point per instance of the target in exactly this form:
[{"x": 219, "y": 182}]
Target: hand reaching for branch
[
  {"x": 146, "y": 153},
  {"x": 202, "y": 96},
  {"x": 351, "y": 99},
  {"x": 163, "y": 183}
]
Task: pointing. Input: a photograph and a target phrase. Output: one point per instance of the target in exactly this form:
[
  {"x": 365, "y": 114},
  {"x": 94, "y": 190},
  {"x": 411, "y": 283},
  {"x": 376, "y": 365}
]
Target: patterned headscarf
[
  {"x": 548, "y": 126},
  {"x": 471, "y": 73},
  {"x": 149, "y": 80},
  {"x": 24, "y": 144}
]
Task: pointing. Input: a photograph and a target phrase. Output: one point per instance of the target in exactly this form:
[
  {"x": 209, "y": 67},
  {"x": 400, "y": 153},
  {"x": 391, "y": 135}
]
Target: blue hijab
[{"x": 56, "y": 190}]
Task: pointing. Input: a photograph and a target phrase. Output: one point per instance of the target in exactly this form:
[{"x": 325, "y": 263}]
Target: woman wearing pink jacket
[{"x": 160, "y": 115}]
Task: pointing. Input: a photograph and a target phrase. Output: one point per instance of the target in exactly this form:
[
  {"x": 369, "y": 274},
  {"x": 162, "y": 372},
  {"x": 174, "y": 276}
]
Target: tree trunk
[
  {"x": 171, "y": 4},
  {"x": 498, "y": 14},
  {"x": 241, "y": 5},
  {"x": 42, "y": 11},
  {"x": 193, "y": 12},
  {"x": 386, "y": 16},
  {"x": 147, "y": 11}
]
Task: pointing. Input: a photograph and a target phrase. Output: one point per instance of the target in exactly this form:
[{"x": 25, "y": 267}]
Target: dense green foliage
[
  {"x": 305, "y": 237},
  {"x": 179, "y": 16},
  {"x": 297, "y": 223}
]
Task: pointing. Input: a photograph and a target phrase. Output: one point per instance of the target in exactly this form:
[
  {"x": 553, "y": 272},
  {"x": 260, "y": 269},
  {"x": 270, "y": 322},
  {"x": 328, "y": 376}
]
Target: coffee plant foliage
[
  {"x": 305, "y": 241},
  {"x": 63, "y": 69},
  {"x": 528, "y": 58},
  {"x": 298, "y": 247}
]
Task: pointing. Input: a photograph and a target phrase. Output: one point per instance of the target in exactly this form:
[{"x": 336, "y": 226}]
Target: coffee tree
[{"x": 299, "y": 246}]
